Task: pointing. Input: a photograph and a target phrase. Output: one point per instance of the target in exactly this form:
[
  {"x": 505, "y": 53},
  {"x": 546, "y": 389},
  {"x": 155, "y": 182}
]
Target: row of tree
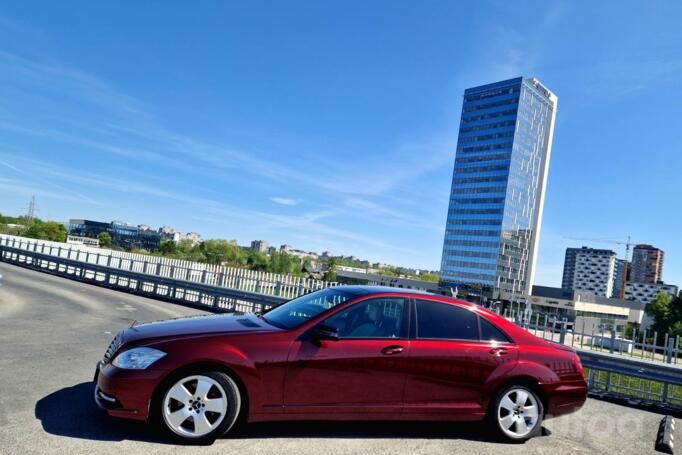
[
  {"x": 215, "y": 251},
  {"x": 218, "y": 251},
  {"x": 33, "y": 228}
]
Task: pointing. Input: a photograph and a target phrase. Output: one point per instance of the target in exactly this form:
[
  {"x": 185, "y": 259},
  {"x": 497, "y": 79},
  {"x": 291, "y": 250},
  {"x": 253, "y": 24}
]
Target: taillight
[{"x": 578, "y": 366}]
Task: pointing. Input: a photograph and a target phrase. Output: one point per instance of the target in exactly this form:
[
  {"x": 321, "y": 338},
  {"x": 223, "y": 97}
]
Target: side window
[
  {"x": 491, "y": 333},
  {"x": 438, "y": 320},
  {"x": 374, "y": 318}
]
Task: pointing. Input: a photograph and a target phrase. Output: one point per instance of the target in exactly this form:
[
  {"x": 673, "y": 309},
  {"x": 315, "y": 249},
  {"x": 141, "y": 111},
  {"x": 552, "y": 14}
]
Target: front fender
[{"x": 198, "y": 352}]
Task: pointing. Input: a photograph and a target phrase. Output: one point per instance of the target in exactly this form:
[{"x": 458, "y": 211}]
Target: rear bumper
[
  {"x": 565, "y": 397},
  {"x": 125, "y": 393}
]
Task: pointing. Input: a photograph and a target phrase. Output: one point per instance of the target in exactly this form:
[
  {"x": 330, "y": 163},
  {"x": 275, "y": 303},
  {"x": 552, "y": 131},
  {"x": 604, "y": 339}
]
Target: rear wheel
[
  {"x": 199, "y": 407},
  {"x": 517, "y": 413}
]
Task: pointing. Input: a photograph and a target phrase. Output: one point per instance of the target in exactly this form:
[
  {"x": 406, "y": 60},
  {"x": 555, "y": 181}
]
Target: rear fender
[{"x": 521, "y": 369}]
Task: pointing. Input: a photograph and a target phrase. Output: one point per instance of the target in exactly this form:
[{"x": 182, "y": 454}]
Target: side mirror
[{"x": 325, "y": 332}]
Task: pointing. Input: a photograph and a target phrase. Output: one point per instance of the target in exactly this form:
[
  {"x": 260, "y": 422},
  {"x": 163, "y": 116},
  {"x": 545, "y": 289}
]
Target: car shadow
[
  {"x": 72, "y": 412},
  {"x": 471, "y": 431}
]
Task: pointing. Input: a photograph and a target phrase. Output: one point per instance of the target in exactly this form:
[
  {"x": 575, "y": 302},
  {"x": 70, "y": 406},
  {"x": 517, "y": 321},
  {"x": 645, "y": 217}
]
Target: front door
[{"x": 362, "y": 372}]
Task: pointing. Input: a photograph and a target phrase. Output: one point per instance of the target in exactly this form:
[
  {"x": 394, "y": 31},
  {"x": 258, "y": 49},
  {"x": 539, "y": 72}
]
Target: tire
[
  {"x": 516, "y": 414},
  {"x": 197, "y": 408}
]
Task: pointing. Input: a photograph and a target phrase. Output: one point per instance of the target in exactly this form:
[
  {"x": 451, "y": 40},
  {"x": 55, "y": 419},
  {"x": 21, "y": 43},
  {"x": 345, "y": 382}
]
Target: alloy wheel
[
  {"x": 194, "y": 406},
  {"x": 518, "y": 413}
]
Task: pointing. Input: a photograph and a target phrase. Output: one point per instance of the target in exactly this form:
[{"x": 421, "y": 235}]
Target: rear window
[
  {"x": 443, "y": 321},
  {"x": 491, "y": 333}
]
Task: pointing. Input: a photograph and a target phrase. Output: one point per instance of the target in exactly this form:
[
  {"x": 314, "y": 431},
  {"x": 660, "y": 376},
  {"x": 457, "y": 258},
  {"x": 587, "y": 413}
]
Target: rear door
[{"x": 452, "y": 354}]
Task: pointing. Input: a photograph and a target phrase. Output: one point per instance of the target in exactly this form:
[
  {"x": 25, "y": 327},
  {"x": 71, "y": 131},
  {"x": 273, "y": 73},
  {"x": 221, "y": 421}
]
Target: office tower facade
[
  {"x": 620, "y": 278},
  {"x": 569, "y": 268},
  {"x": 498, "y": 186},
  {"x": 594, "y": 271},
  {"x": 647, "y": 264}
]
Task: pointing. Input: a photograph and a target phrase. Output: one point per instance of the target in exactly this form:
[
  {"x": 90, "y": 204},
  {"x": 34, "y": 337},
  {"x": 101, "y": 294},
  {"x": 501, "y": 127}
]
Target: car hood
[{"x": 197, "y": 325}]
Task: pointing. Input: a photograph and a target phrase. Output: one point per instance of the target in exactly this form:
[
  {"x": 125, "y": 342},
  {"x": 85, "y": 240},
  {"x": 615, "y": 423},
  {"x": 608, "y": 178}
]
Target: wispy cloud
[
  {"x": 132, "y": 122},
  {"x": 72, "y": 82},
  {"x": 23, "y": 186},
  {"x": 379, "y": 189},
  {"x": 387, "y": 215},
  {"x": 26, "y": 189},
  {"x": 284, "y": 200}
]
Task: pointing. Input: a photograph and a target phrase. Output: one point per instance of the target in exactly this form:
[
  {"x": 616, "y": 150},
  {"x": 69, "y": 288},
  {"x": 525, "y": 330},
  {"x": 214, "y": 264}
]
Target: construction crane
[{"x": 627, "y": 243}]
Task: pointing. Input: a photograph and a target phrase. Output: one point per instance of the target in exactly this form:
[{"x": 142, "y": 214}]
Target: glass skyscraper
[{"x": 498, "y": 187}]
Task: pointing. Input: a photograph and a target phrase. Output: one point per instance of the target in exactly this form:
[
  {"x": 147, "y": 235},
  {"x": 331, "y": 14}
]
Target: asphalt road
[{"x": 53, "y": 331}]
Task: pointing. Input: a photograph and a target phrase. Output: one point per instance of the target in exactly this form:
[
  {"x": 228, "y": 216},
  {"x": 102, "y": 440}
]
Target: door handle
[
  {"x": 392, "y": 350},
  {"x": 498, "y": 351}
]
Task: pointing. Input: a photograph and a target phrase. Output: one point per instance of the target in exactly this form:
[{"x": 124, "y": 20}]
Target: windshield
[{"x": 297, "y": 311}]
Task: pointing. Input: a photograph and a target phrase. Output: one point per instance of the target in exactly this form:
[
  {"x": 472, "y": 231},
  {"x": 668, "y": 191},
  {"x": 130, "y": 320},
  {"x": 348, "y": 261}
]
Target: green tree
[
  {"x": 218, "y": 251},
  {"x": 184, "y": 248},
  {"x": 104, "y": 239},
  {"x": 332, "y": 264},
  {"x": 432, "y": 277},
  {"x": 257, "y": 261},
  {"x": 630, "y": 328},
  {"x": 667, "y": 314},
  {"x": 168, "y": 248},
  {"x": 46, "y": 230},
  {"x": 284, "y": 263},
  {"x": 5, "y": 229}
]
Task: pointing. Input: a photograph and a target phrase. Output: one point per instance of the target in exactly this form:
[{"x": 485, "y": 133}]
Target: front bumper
[{"x": 125, "y": 393}]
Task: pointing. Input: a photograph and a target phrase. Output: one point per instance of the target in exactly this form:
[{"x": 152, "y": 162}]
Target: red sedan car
[{"x": 343, "y": 353}]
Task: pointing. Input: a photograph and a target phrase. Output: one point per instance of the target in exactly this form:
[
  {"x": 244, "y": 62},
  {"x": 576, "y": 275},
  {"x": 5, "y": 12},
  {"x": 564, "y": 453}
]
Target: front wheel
[
  {"x": 517, "y": 414},
  {"x": 200, "y": 407}
]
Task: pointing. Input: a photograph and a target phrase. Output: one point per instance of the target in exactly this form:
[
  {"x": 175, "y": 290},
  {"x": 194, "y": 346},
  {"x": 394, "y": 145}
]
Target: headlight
[{"x": 137, "y": 358}]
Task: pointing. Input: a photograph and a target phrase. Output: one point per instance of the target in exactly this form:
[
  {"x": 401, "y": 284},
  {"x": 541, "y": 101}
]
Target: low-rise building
[
  {"x": 347, "y": 268},
  {"x": 288, "y": 249},
  {"x": 86, "y": 241},
  {"x": 169, "y": 233},
  {"x": 579, "y": 307},
  {"x": 646, "y": 292},
  {"x": 193, "y": 237},
  {"x": 122, "y": 234}
]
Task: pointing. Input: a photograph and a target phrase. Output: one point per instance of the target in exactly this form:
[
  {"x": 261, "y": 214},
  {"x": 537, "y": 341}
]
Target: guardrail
[
  {"x": 286, "y": 286},
  {"x": 601, "y": 334},
  {"x": 641, "y": 382},
  {"x": 200, "y": 295},
  {"x": 638, "y": 370}
]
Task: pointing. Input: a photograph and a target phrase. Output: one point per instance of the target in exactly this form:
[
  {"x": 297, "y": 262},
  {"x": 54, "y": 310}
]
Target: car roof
[
  {"x": 367, "y": 289},
  {"x": 361, "y": 290}
]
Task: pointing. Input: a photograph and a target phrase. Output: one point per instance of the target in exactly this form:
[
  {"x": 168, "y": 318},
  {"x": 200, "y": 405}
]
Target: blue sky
[{"x": 332, "y": 125}]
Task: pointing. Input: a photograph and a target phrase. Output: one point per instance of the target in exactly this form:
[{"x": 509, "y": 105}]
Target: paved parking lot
[{"x": 53, "y": 331}]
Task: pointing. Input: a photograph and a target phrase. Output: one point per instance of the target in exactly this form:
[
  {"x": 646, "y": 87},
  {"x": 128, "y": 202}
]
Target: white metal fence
[{"x": 285, "y": 286}]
